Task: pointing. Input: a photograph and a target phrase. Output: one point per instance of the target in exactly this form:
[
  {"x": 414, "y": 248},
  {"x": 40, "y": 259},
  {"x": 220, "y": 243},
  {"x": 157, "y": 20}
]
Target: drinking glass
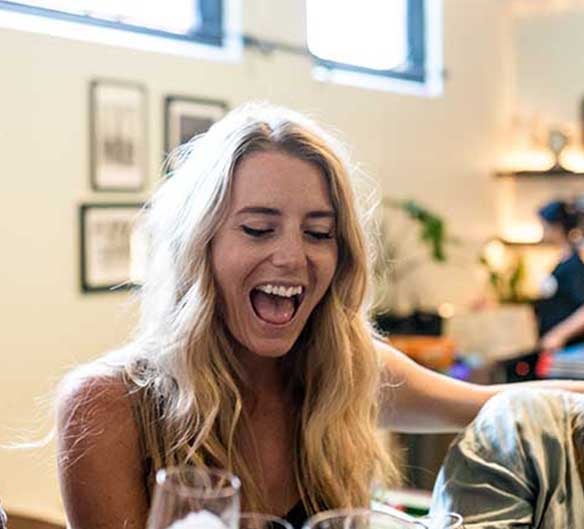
[
  {"x": 256, "y": 520},
  {"x": 195, "y": 498},
  {"x": 368, "y": 519},
  {"x": 446, "y": 520}
]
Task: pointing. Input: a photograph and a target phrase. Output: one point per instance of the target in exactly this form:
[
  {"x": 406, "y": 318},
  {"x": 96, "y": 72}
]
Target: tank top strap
[{"x": 147, "y": 412}]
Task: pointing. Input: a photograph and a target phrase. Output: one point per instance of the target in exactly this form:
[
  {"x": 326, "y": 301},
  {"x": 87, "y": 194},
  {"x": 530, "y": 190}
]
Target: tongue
[{"x": 273, "y": 309}]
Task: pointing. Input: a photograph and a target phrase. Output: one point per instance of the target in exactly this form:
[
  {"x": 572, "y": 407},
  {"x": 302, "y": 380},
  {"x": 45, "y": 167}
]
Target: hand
[{"x": 552, "y": 341}]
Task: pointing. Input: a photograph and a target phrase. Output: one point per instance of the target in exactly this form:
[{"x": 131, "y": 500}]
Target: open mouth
[{"x": 276, "y": 305}]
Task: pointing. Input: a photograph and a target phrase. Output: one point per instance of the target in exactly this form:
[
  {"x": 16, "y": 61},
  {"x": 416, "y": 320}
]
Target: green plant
[
  {"x": 507, "y": 284},
  {"x": 432, "y": 227},
  {"x": 399, "y": 257}
]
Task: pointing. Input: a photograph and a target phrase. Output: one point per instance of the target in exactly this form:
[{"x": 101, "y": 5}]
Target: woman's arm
[
  {"x": 559, "y": 335},
  {"x": 418, "y": 400},
  {"x": 100, "y": 467}
]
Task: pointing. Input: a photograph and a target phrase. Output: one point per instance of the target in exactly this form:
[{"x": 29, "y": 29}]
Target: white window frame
[
  {"x": 230, "y": 51},
  {"x": 433, "y": 84}
]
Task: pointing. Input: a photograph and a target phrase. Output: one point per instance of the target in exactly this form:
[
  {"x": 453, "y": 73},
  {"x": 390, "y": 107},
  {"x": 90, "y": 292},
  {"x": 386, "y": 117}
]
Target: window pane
[
  {"x": 175, "y": 16},
  {"x": 367, "y": 33}
]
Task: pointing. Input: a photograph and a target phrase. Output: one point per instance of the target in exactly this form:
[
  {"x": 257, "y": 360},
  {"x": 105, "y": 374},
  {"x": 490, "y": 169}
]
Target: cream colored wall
[
  {"x": 550, "y": 64},
  {"x": 547, "y": 44},
  {"x": 549, "y": 90},
  {"x": 439, "y": 151}
]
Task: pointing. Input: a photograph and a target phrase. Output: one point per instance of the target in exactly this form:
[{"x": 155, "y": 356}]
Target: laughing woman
[{"x": 253, "y": 351}]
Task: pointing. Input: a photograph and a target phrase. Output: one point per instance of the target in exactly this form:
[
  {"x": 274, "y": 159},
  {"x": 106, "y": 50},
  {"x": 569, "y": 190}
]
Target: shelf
[
  {"x": 519, "y": 244},
  {"x": 540, "y": 175}
]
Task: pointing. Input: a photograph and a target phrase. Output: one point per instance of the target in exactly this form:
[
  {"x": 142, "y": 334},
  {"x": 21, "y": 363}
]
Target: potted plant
[{"x": 393, "y": 266}]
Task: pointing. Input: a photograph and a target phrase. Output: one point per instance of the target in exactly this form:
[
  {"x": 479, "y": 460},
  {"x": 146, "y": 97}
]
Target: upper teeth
[{"x": 286, "y": 292}]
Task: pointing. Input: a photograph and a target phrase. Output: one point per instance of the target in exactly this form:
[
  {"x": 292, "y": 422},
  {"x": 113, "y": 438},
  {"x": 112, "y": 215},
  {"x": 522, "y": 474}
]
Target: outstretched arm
[
  {"x": 559, "y": 335},
  {"x": 417, "y": 400}
]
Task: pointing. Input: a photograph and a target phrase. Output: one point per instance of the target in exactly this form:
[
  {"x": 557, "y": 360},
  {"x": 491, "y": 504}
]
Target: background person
[{"x": 564, "y": 288}]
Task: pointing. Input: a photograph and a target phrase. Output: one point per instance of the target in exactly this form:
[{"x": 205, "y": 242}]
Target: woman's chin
[{"x": 270, "y": 350}]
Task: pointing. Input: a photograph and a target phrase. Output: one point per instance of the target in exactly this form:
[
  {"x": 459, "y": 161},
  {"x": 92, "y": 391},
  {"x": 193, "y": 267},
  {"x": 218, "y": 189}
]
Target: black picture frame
[
  {"x": 112, "y": 245},
  {"x": 117, "y": 135},
  {"x": 185, "y": 117}
]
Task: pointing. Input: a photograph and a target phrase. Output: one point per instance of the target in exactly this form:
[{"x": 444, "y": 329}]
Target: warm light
[
  {"x": 527, "y": 160},
  {"x": 446, "y": 310},
  {"x": 495, "y": 254},
  {"x": 525, "y": 232},
  {"x": 572, "y": 159},
  {"x": 539, "y": 261}
]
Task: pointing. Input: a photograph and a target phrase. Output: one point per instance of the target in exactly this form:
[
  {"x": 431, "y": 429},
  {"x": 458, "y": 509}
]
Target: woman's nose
[{"x": 289, "y": 252}]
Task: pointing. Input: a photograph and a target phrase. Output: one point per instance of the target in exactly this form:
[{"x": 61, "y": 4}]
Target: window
[
  {"x": 375, "y": 38},
  {"x": 187, "y": 20}
]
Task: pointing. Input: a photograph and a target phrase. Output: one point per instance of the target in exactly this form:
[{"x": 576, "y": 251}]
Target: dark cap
[{"x": 560, "y": 212}]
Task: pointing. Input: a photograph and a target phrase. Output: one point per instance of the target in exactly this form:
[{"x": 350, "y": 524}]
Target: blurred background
[{"x": 467, "y": 114}]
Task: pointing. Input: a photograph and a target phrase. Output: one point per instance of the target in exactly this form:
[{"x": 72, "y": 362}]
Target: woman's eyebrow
[
  {"x": 259, "y": 210},
  {"x": 319, "y": 214},
  {"x": 273, "y": 212}
]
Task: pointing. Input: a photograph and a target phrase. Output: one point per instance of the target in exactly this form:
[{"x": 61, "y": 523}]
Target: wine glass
[
  {"x": 256, "y": 520},
  {"x": 368, "y": 519},
  {"x": 445, "y": 520},
  {"x": 195, "y": 498}
]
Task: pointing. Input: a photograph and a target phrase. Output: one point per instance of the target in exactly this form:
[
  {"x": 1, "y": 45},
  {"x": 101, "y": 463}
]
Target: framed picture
[
  {"x": 113, "y": 246},
  {"x": 117, "y": 136},
  {"x": 185, "y": 117}
]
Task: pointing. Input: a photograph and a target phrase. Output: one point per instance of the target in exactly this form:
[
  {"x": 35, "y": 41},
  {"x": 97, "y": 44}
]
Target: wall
[
  {"x": 547, "y": 94},
  {"x": 437, "y": 150}
]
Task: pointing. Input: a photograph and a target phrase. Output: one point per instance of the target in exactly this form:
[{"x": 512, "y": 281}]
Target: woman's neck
[{"x": 264, "y": 374}]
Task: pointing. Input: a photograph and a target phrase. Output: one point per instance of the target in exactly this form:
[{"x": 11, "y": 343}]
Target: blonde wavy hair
[{"x": 192, "y": 362}]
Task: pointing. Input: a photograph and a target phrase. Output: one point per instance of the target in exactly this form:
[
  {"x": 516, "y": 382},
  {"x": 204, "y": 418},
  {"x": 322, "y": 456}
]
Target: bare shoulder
[
  {"x": 100, "y": 461},
  {"x": 93, "y": 403}
]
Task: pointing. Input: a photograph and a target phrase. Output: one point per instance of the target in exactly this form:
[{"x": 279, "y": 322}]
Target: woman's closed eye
[
  {"x": 320, "y": 235},
  {"x": 313, "y": 234},
  {"x": 253, "y": 232}
]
